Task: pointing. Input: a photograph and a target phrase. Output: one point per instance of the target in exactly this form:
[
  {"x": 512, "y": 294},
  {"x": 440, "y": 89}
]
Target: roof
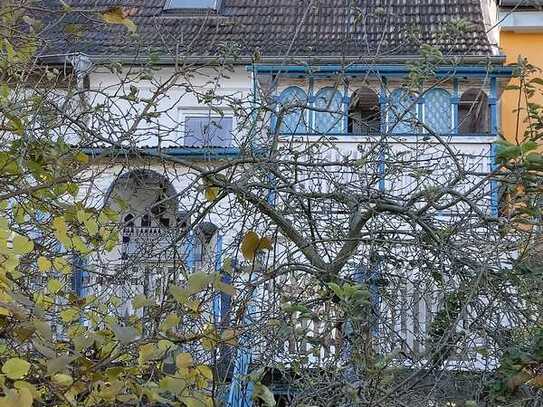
[{"x": 276, "y": 28}]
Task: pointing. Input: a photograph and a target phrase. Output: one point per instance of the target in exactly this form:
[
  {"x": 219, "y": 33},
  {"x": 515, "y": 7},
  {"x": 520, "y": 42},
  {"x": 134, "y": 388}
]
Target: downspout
[{"x": 82, "y": 66}]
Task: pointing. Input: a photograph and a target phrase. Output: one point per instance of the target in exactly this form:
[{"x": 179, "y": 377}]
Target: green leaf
[
  {"x": 16, "y": 368},
  {"x": 62, "y": 380}
]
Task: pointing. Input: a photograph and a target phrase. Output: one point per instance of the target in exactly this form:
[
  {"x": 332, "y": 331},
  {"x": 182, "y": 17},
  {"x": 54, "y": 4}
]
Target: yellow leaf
[
  {"x": 262, "y": 393},
  {"x": 25, "y": 385},
  {"x": 140, "y": 301},
  {"x": 27, "y": 393},
  {"x": 69, "y": 314},
  {"x": 62, "y": 265},
  {"x": 54, "y": 285},
  {"x": 249, "y": 245},
  {"x": 205, "y": 371},
  {"x": 211, "y": 193},
  {"x": 170, "y": 322},
  {"x": 183, "y": 360},
  {"x": 198, "y": 281},
  {"x": 44, "y": 264},
  {"x": 16, "y": 368},
  {"x": 81, "y": 157},
  {"x": 117, "y": 15},
  {"x": 62, "y": 380},
  {"x": 265, "y": 244},
  {"x": 229, "y": 336},
  {"x": 22, "y": 245}
]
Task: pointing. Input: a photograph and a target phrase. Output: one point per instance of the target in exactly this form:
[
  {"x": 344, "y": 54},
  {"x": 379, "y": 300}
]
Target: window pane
[
  {"x": 290, "y": 103},
  {"x": 208, "y": 131},
  {"x": 437, "y": 113},
  {"x": 402, "y": 112},
  {"x": 328, "y": 99},
  {"x": 174, "y": 4}
]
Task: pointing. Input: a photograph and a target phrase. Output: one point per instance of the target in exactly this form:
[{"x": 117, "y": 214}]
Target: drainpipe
[{"x": 82, "y": 65}]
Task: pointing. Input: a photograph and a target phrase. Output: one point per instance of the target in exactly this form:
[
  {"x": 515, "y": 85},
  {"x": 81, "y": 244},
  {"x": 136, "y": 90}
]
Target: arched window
[
  {"x": 291, "y": 106},
  {"x": 437, "y": 111},
  {"x": 364, "y": 112},
  {"x": 473, "y": 112},
  {"x": 402, "y": 112},
  {"x": 328, "y": 111}
]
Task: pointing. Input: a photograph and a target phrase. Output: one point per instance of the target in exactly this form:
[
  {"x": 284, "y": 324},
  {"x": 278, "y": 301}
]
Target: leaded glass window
[
  {"x": 291, "y": 106},
  {"x": 402, "y": 112},
  {"x": 328, "y": 111},
  {"x": 437, "y": 111}
]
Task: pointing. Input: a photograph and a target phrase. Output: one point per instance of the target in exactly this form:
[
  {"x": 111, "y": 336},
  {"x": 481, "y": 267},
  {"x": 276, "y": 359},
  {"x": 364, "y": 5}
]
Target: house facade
[
  {"x": 520, "y": 36},
  {"x": 200, "y": 85}
]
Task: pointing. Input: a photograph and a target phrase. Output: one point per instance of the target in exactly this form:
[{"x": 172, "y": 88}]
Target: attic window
[{"x": 191, "y": 5}]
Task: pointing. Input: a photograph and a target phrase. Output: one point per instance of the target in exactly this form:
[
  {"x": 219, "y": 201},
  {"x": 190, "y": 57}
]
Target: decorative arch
[
  {"x": 292, "y": 102},
  {"x": 145, "y": 193},
  {"x": 473, "y": 112},
  {"x": 402, "y": 112},
  {"x": 328, "y": 111},
  {"x": 437, "y": 110},
  {"x": 364, "y": 112}
]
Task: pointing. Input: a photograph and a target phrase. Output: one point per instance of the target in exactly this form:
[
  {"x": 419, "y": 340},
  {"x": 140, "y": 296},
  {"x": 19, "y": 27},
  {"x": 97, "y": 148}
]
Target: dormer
[{"x": 192, "y": 6}]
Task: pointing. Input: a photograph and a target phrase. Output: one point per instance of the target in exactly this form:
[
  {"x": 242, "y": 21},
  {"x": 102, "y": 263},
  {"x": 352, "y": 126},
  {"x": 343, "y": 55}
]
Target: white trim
[{"x": 521, "y": 21}]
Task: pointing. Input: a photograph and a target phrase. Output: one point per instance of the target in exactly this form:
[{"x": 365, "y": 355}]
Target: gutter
[{"x": 58, "y": 59}]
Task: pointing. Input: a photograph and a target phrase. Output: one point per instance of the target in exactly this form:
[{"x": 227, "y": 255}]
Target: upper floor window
[
  {"x": 364, "y": 112},
  {"x": 208, "y": 131},
  {"x": 328, "y": 111},
  {"x": 174, "y": 5},
  {"x": 292, "y": 112},
  {"x": 402, "y": 112},
  {"x": 438, "y": 111},
  {"x": 473, "y": 112}
]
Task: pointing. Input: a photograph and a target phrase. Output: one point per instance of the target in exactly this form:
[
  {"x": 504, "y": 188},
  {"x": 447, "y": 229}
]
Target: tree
[{"x": 369, "y": 273}]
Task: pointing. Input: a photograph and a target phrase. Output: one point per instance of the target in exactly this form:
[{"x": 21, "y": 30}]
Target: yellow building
[{"x": 521, "y": 35}]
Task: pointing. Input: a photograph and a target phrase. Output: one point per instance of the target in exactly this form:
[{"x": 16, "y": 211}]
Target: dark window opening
[
  {"x": 165, "y": 222},
  {"x": 129, "y": 221},
  {"x": 364, "y": 112},
  {"x": 473, "y": 115},
  {"x": 145, "y": 221}
]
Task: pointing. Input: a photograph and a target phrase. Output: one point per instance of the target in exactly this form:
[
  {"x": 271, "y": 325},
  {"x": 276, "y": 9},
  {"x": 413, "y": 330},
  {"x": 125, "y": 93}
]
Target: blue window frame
[
  {"x": 330, "y": 120},
  {"x": 402, "y": 112},
  {"x": 437, "y": 110},
  {"x": 291, "y": 106}
]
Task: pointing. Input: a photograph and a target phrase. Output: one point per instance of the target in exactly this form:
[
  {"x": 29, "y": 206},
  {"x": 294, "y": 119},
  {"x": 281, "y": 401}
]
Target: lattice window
[
  {"x": 291, "y": 103},
  {"x": 402, "y": 112},
  {"x": 330, "y": 120},
  {"x": 437, "y": 111}
]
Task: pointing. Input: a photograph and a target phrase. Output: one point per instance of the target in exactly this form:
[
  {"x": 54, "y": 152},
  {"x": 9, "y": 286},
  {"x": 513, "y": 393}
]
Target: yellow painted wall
[{"x": 513, "y": 44}]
